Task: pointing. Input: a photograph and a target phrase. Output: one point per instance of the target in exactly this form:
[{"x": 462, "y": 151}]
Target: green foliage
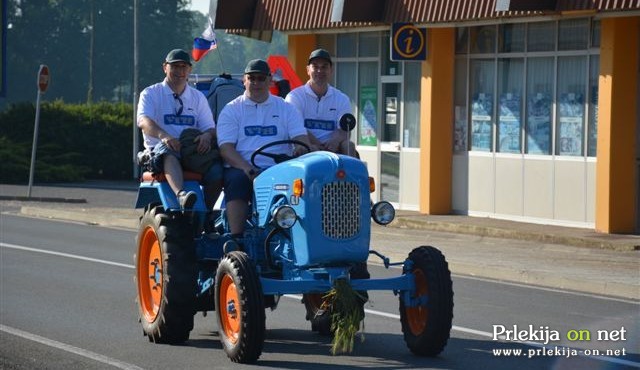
[
  {"x": 75, "y": 142},
  {"x": 346, "y": 316}
]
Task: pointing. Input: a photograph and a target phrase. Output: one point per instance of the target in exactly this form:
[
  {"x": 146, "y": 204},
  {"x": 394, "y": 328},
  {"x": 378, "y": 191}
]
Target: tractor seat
[{"x": 148, "y": 176}]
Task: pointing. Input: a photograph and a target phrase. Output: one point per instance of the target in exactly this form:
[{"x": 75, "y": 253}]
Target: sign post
[{"x": 43, "y": 85}]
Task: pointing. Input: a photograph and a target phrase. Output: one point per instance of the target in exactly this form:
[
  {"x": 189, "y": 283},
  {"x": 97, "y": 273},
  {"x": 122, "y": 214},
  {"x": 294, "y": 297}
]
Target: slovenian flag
[{"x": 202, "y": 45}]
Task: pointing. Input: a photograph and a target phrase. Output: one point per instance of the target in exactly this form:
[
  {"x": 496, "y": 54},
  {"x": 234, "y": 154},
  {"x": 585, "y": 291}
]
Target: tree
[{"x": 58, "y": 33}]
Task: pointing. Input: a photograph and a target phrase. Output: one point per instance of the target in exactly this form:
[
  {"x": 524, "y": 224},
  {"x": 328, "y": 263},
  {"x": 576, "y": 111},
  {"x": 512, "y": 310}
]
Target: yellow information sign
[{"x": 408, "y": 42}]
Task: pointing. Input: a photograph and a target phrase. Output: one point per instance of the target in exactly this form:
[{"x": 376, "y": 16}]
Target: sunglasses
[
  {"x": 260, "y": 78},
  {"x": 179, "y": 105}
]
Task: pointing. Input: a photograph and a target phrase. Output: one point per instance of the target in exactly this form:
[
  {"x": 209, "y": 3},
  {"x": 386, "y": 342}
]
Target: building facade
[{"x": 521, "y": 110}]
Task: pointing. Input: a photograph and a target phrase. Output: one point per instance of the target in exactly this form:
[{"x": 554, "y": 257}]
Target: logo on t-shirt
[
  {"x": 172, "y": 119},
  {"x": 318, "y": 124},
  {"x": 261, "y": 130}
]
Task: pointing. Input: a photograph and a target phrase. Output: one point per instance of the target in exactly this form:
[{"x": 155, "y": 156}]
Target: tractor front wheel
[
  {"x": 240, "y": 308},
  {"x": 426, "y": 326}
]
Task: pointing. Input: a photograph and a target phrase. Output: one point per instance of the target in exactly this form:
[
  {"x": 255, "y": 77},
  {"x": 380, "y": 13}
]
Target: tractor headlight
[
  {"x": 285, "y": 217},
  {"x": 383, "y": 213}
]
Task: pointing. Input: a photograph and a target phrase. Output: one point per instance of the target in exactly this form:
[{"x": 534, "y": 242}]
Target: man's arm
[
  {"x": 234, "y": 159},
  {"x": 298, "y": 149},
  {"x": 150, "y": 128}
]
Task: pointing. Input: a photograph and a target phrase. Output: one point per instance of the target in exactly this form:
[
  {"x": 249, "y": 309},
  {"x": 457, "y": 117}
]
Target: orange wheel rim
[
  {"x": 149, "y": 274},
  {"x": 230, "y": 309},
  {"x": 417, "y": 316}
]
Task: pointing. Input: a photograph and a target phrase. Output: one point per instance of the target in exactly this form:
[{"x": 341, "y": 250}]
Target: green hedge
[{"x": 75, "y": 142}]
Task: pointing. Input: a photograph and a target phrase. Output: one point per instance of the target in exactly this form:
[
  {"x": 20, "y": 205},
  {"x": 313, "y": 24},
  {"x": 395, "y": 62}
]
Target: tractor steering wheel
[{"x": 278, "y": 158}]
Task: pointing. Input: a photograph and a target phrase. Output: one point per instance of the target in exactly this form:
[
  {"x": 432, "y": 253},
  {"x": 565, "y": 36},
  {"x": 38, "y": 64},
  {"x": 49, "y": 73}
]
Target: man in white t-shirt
[
  {"x": 322, "y": 106},
  {"x": 245, "y": 124},
  {"x": 165, "y": 110}
]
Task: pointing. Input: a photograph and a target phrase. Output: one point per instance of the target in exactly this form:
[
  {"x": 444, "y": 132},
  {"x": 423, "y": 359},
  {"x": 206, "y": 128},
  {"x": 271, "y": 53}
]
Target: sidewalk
[{"x": 551, "y": 256}]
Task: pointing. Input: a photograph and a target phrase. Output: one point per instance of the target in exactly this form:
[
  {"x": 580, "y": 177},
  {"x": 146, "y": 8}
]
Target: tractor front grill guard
[{"x": 340, "y": 210}]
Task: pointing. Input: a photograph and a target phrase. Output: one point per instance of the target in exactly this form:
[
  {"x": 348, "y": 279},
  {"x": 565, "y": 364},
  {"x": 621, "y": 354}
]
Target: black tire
[
  {"x": 426, "y": 328},
  {"x": 319, "y": 313},
  {"x": 242, "y": 331},
  {"x": 165, "y": 277}
]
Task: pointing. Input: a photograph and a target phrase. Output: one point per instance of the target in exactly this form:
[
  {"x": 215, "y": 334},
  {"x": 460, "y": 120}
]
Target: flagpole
[{"x": 136, "y": 133}]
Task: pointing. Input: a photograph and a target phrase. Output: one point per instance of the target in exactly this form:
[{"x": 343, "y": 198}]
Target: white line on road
[
  {"x": 69, "y": 348},
  {"x": 60, "y": 254},
  {"x": 292, "y": 296}
]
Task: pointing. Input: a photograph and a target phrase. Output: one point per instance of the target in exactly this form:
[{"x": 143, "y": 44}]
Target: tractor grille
[{"x": 340, "y": 210}]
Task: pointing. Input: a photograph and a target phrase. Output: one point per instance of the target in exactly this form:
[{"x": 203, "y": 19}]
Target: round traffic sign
[{"x": 43, "y": 78}]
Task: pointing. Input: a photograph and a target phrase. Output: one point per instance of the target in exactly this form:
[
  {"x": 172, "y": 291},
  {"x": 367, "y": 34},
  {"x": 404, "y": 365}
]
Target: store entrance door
[{"x": 390, "y": 131}]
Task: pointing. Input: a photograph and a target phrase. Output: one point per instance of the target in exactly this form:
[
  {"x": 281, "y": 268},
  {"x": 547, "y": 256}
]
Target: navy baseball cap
[
  {"x": 258, "y": 66},
  {"x": 320, "y": 53},
  {"x": 178, "y": 55}
]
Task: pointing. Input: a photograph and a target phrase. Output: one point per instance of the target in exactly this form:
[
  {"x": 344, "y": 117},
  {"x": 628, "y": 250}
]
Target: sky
[{"x": 200, "y": 5}]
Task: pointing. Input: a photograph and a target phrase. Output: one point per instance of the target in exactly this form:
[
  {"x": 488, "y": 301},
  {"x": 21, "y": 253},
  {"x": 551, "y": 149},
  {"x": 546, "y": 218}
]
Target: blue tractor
[{"x": 309, "y": 227}]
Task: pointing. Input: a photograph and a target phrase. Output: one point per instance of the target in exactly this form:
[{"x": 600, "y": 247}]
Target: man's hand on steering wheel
[{"x": 299, "y": 148}]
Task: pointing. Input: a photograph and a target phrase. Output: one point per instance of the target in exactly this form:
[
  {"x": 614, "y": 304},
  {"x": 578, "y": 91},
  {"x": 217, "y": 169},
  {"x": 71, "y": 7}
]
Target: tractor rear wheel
[
  {"x": 319, "y": 311},
  {"x": 426, "y": 327},
  {"x": 165, "y": 277},
  {"x": 240, "y": 308}
]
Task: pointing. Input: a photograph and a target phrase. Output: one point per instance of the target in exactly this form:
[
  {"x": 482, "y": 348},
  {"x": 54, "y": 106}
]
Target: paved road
[
  {"x": 67, "y": 301},
  {"x": 550, "y": 256}
]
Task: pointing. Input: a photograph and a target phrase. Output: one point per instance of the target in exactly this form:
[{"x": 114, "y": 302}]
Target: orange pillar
[
  {"x": 616, "y": 194},
  {"x": 436, "y": 126},
  {"x": 300, "y": 46}
]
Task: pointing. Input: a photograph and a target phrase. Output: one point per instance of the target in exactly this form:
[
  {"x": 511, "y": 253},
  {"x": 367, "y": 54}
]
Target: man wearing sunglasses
[
  {"x": 246, "y": 123},
  {"x": 322, "y": 106},
  {"x": 165, "y": 110}
]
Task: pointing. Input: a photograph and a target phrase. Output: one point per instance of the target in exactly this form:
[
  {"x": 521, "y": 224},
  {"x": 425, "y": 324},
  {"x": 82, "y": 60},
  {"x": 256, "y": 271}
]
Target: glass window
[
  {"x": 389, "y": 176},
  {"x": 327, "y": 42},
  {"x": 510, "y": 81},
  {"x": 368, "y": 44},
  {"x": 482, "y": 87},
  {"x": 572, "y": 73},
  {"x": 346, "y": 45},
  {"x": 391, "y": 118},
  {"x": 460, "y": 134},
  {"x": 541, "y": 36},
  {"x": 462, "y": 40},
  {"x": 595, "y": 34},
  {"x": 411, "y": 128},
  {"x": 389, "y": 67},
  {"x": 345, "y": 75},
  {"x": 511, "y": 38},
  {"x": 483, "y": 39},
  {"x": 594, "y": 75},
  {"x": 368, "y": 103},
  {"x": 573, "y": 34},
  {"x": 539, "y": 105}
]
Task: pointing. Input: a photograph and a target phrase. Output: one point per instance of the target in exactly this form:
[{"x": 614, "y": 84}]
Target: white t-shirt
[
  {"x": 158, "y": 103},
  {"x": 249, "y": 125},
  {"x": 321, "y": 115}
]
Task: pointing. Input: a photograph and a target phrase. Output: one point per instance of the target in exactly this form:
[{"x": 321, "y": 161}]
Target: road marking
[
  {"x": 60, "y": 254},
  {"x": 69, "y": 348},
  {"x": 296, "y": 297},
  {"x": 534, "y": 287}
]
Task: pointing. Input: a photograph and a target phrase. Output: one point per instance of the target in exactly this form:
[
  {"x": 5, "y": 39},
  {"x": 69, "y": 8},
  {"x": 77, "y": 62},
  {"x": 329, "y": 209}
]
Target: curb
[
  {"x": 546, "y": 238},
  {"x": 42, "y": 199}
]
